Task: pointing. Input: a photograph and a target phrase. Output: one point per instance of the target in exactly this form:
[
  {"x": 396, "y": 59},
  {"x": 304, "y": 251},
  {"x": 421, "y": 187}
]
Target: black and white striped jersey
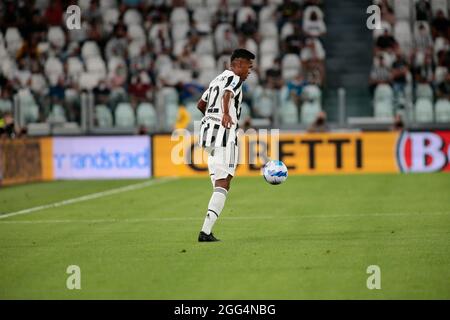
[{"x": 212, "y": 133}]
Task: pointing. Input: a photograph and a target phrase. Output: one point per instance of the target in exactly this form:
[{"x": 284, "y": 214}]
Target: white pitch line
[
  {"x": 88, "y": 197},
  {"x": 309, "y": 216}
]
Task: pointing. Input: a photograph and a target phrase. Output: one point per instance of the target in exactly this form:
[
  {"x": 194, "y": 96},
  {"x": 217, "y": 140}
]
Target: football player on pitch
[{"x": 221, "y": 106}]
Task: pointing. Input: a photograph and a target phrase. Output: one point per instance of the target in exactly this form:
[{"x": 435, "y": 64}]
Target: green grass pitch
[{"x": 311, "y": 238}]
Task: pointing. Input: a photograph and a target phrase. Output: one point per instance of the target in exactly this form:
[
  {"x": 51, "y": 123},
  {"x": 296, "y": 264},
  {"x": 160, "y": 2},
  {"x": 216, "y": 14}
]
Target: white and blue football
[{"x": 275, "y": 172}]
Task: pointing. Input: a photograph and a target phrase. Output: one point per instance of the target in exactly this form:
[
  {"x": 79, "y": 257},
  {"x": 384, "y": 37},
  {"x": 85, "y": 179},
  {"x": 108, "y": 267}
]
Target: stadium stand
[
  {"x": 144, "y": 59},
  {"x": 411, "y": 56}
]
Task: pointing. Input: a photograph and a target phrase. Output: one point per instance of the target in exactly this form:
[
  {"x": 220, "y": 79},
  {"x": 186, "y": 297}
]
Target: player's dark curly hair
[{"x": 242, "y": 53}]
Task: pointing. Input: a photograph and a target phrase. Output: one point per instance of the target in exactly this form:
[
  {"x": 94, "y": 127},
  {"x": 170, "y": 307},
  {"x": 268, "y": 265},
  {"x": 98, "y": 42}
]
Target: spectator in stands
[
  {"x": 312, "y": 57},
  {"x": 400, "y": 70},
  {"x": 398, "y": 125},
  {"x": 101, "y": 92},
  {"x": 228, "y": 43},
  {"x": 380, "y": 74},
  {"x": 249, "y": 27},
  {"x": 54, "y": 13},
  {"x": 188, "y": 60},
  {"x": 423, "y": 38},
  {"x": 440, "y": 25},
  {"x": 273, "y": 75},
  {"x": 295, "y": 88},
  {"x": 7, "y": 127},
  {"x": 191, "y": 90},
  {"x": 387, "y": 13},
  {"x": 386, "y": 42},
  {"x": 423, "y": 10},
  {"x": 118, "y": 44},
  {"x": 423, "y": 71},
  {"x": 140, "y": 87},
  {"x": 294, "y": 42},
  {"x": 443, "y": 90},
  {"x": 223, "y": 13},
  {"x": 286, "y": 11},
  {"x": 320, "y": 124},
  {"x": 314, "y": 27}
]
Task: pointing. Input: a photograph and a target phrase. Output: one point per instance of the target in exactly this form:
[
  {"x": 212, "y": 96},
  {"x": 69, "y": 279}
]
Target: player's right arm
[{"x": 202, "y": 104}]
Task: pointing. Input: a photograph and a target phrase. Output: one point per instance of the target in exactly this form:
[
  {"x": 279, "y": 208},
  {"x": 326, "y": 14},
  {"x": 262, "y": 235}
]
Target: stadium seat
[
  {"x": 146, "y": 115},
  {"x": 269, "y": 30},
  {"x": 132, "y": 16},
  {"x": 403, "y": 35},
  {"x": 171, "y": 113},
  {"x": 437, "y": 5},
  {"x": 440, "y": 74},
  {"x": 207, "y": 62},
  {"x": 309, "y": 112},
  {"x": 104, "y": 116},
  {"x": 245, "y": 113},
  {"x": 289, "y": 113},
  {"x": 5, "y": 105},
  {"x": 383, "y": 92},
  {"x": 196, "y": 115},
  {"x": 156, "y": 29},
  {"x": 90, "y": 49},
  {"x": 202, "y": 17},
  {"x": 269, "y": 46},
  {"x": 8, "y": 68},
  {"x": 290, "y": 66},
  {"x": 56, "y": 36},
  {"x": 403, "y": 9},
  {"x": 29, "y": 109},
  {"x": 424, "y": 90},
  {"x": 57, "y": 114},
  {"x": 13, "y": 40},
  {"x": 423, "y": 111},
  {"x": 110, "y": 18},
  {"x": 179, "y": 31},
  {"x": 179, "y": 15},
  {"x": 287, "y": 30},
  {"x": 88, "y": 80},
  {"x": 383, "y": 109},
  {"x": 53, "y": 69},
  {"x": 124, "y": 115},
  {"x": 313, "y": 94},
  {"x": 442, "y": 108},
  {"x": 74, "y": 67},
  {"x": 96, "y": 65},
  {"x": 205, "y": 46},
  {"x": 108, "y": 4},
  {"x": 194, "y": 4},
  {"x": 243, "y": 14},
  {"x": 267, "y": 13},
  {"x": 136, "y": 33}
]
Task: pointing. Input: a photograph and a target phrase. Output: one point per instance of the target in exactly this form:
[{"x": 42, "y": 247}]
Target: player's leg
[{"x": 223, "y": 172}]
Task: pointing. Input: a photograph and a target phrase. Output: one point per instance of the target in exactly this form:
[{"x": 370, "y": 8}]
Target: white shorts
[{"x": 222, "y": 161}]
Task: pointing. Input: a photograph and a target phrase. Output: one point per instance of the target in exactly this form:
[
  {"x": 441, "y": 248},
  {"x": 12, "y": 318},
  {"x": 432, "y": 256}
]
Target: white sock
[
  {"x": 213, "y": 181},
  {"x": 215, "y": 207}
]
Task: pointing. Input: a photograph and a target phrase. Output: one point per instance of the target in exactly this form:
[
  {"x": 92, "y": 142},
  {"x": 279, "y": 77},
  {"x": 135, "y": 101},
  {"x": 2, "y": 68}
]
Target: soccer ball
[{"x": 275, "y": 172}]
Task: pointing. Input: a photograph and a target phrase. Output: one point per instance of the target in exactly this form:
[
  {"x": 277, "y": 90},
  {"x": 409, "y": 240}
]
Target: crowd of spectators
[
  {"x": 411, "y": 53},
  {"x": 127, "y": 51}
]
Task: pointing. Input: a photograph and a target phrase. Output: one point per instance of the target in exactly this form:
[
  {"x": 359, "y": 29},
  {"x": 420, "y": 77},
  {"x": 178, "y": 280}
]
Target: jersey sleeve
[
  {"x": 205, "y": 95},
  {"x": 233, "y": 84}
]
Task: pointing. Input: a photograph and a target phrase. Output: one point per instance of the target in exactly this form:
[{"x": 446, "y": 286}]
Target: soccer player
[{"x": 221, "y": 106}]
